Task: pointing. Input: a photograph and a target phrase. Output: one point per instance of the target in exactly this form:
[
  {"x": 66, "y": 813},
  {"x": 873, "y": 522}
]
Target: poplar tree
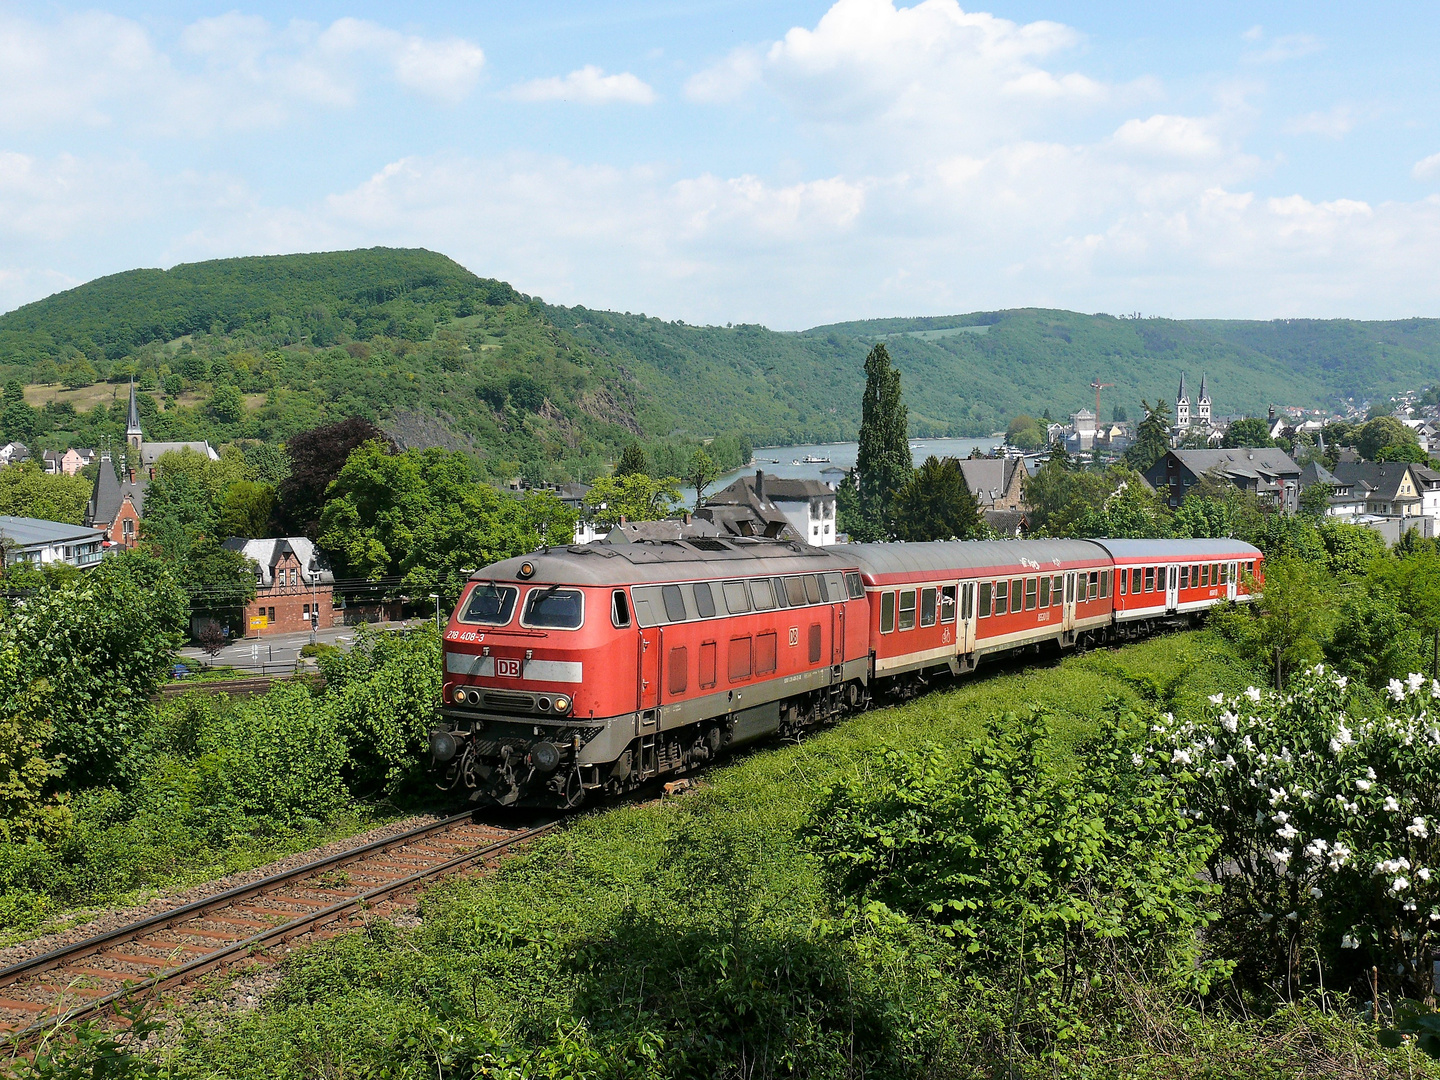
[{"x": 883, "y": 464}]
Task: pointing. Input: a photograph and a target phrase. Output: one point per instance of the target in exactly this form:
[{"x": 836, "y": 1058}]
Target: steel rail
[{"x": 305, "y": 923}]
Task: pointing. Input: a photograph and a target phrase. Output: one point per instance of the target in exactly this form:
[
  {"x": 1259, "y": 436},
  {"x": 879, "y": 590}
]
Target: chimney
[{"x": 760, "y": 484}]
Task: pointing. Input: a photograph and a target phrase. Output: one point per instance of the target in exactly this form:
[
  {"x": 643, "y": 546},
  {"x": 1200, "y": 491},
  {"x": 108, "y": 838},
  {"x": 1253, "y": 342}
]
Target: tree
[
  {"x": 178, "y": 511},
  {"x": 424, "y": 516},
  {"x": 634, "y": 497},
  {"x": 18, "y": 421},
  {"x": 1315, "y": 501},
  {"x": 1387, "y": 439},
  {"x": 26, "y": 490},
  {"x": 270, "y": 463},
  {"x": 29, "y": 807},
  {"x": 701, "y": 473},
  {"x": 245, "y": 510},
  {"x": 1350, "y": 549},
  {"x": 1251, "y": 431},
  {"x": 1412, "y": 583},
  {"x": 1026, "y": 432},
  {"x": 226, "y": 404},
  {"x": 1199, "y": 516},
  {"x": 936, "y": 504},
  {"x": 1153, "y": 437},
  {"x": 1061, "y": 456},
  {"x": 216, "y": 578},
  {"x": 883, "y": 464},
  {"x": 632, "y": 461},
  {"x": 316, "y": 458},
  {"x": 1292, "y": 626}
]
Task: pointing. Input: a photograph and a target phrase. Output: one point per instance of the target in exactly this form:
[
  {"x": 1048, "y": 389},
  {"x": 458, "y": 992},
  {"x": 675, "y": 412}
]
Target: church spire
[
  {"x": 1182, "y": 397},
  {"x": 134, "y": 437}
]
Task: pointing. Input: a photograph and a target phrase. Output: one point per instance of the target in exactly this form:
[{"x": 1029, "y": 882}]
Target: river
[{"x": 789, "y": 461}]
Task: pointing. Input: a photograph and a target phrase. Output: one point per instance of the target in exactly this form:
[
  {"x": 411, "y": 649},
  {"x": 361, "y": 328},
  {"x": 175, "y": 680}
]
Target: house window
[{"x": 272, "y": 614}]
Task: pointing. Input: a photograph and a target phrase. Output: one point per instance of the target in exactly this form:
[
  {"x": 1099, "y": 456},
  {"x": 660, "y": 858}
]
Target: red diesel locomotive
[{"x": 600, "y": 666}]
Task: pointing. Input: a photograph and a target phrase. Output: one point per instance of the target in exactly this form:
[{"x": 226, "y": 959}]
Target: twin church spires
[{"x": 1183, "y": 418}]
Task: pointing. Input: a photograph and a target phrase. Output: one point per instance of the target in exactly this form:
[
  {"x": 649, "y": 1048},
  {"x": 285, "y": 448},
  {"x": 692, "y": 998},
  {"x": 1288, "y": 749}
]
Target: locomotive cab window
[
  {"x": 737, "y": 599},
  {"x": 887, "y": 612},
  {"x": 927, "y": 607},
  {"x": 795, "y": 591},
  {"x": 620, "y": 608},
  {"x": 854, "y": 586},
  {"x": 704, "y": 599},
  {"x": 907, "y": 609},
  {"x": 550, "y": 608},
  {"x": 984, "y": 601},
  {"x": 947, "y": 604},
  {"x": 490, "y": 604},
  {"x": 674, "y": 602}
]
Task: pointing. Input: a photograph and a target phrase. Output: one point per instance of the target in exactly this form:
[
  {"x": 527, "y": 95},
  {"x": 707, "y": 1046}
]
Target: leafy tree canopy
[
  {"x": 936, "y": 504},
  {"x": 1152, "y": 438},
  {"x": 26, "y": 490},
  {"x": 1251, "y": 431},
  {"x": 634, "y": 497}
]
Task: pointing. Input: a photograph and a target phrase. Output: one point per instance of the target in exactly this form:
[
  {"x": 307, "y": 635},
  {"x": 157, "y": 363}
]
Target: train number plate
[{"x": 507, "y": 668}]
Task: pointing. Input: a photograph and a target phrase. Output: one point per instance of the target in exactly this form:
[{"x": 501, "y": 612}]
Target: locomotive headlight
[
  {"x": 442, "y": 746},
  {"x": 544, "y": 704},
  {"x": 562, "y": 704}
]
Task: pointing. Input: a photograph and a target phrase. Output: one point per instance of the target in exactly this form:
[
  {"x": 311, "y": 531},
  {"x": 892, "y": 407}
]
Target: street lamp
[{"x": 436, "y": 597}]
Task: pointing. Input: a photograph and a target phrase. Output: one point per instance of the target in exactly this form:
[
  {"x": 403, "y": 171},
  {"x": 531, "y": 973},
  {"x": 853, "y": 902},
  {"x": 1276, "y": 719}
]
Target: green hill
[{"x": 263, "y": 347}]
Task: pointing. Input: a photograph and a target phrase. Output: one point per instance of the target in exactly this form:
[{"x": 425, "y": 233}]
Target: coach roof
[
  {"x": 1200, "y": 550},
  {"x": 644, "y": 563},
  {"x": 1005, "y": 556}
]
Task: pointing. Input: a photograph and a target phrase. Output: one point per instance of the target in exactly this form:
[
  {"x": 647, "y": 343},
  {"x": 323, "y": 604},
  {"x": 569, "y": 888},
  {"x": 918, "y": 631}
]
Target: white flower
[
  {"x": 1252, "y": 693},
  {"x": 1342, "y": 739},
  {"x": 1363, "y": 785},
  {"x": 1229, "y": 761},
  {"x": 1343, "y": 681},
  {"x": 1180, "y": 757},
  {"x": 1265, "y": 916},
  {"x": 1315, "y": 850},
  {"x": 1229, "y": 721},
  {"x": 1397, "y": 690},
  {"x": 1277, "y": 796},
  {"x": 1216, "y": 699},
  {"x": 1292, "y": 916},
  {"x": 1370, "y": 772},
  {"x": 1414, "y": 681},
  {"x": 1280, "y": 818},
  {"x": 1418, "y": 829},
  {"x": 1136, "y": 760},
  {"x": 1349, "y": 942},
  {"x": 1280, "y": 858},
  {"x": 1423, "y": 873},
  {"x": 1400, "y": 884},
  {"x": 1289, "y": 832},
  {"x": 1391, "y": 805},
  {"x": 1316, "y": 892},
  {"x": 1434, "y": 915}
]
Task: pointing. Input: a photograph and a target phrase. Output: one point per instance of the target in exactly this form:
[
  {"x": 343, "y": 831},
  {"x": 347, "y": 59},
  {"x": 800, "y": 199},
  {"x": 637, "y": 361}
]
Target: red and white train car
[{"x": 1157, "y": 579}]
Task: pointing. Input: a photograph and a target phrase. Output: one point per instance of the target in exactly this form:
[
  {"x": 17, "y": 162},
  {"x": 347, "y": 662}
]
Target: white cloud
[
  {"x": 1286, "y": 47},
  {"x": 1334, "y": 123},
  {"x": 1170, "y": 136},
  {"x": 229, "y": 71},
  {"x": 1427, "y": 168},
  {"x": 589, "y": 86}
]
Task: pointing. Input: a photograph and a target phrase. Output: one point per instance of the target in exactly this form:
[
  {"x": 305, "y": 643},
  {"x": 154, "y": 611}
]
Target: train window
[
  {"x": 765, "y": 653},
  {"x": 1104, "y": 584},
  {"x": 778, "y": 584},
  {"x": 1017, "y": 594},
  {"x": 619, "y": 608},
  {"x": 739, "y": 659},
  {"x": 707, "y": 665},
  {"x": 1214, "y": 573},
  {"x": 1135, "y": 579},
  {"x": 491, "y": 604},
  {"x": 704, "y": 599},
  {"x": 1094, "y": 584},
  {"x": 1124, "y": 580},
  {"x": 1057, "y": 590},
  {"x": 855, "y": 586},
  {"x": 824, "y": 586},
  {"x": 1184, "y": 577},
  {"x": 762, "y": 594},
  {"x": 1069, "y": 588},
  {"x": 1149, "y": 579},
  {"x": 927, "y": 607},
  {"x": 887, "y": 612},
  {"x": 795, "y": 591},
  {"x": 1030, "y": 588},
  {"x": 906, "y": 614},
  {"x": 812, "y": 588},
  {"x": 679, "y": 669},
  {"x": 984, "y": 608},
  {"x": 947, "y": 604},
  {"x": 836, "y": 583},
  {"x": 1002, "y": 597},
  {"x": 674, "y": 603},
  {"x": 737, "y": 600},
  {"x": 1045, "y": 591},
  {"x": 1204, "y": 574},
  {"x": 554, "y": 609},
  {"x": 814, "y": 643}
]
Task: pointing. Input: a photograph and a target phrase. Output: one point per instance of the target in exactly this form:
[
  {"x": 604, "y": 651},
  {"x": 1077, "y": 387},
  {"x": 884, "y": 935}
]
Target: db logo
[
  {"x": 507, "y": 668},
  {"x": 794, "y": 635}
]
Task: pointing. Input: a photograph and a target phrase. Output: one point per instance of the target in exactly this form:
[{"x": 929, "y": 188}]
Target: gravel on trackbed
[{"x": 115, "y": 918}]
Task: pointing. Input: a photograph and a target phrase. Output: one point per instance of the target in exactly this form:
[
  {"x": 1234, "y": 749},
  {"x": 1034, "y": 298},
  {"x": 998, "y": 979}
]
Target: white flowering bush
[{"x": 1329, "y": 827}]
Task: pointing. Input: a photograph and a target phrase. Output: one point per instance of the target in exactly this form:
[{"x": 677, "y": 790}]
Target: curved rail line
[{"x": 80, "y": 980}]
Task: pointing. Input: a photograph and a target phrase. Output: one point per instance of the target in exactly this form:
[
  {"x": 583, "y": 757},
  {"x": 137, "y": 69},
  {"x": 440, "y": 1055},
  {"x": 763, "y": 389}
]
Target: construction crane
[{"x": 1097, "y": 386}]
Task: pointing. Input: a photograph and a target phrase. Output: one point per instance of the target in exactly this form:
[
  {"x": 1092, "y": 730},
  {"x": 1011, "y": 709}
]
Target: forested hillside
[{"x": 261, "y": 348}]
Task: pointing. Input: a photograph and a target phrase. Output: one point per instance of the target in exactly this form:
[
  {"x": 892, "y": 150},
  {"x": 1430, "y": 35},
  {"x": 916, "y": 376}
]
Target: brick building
[
  {"x": 116, "y": 504},
  {"x": 292, "y": 584}
]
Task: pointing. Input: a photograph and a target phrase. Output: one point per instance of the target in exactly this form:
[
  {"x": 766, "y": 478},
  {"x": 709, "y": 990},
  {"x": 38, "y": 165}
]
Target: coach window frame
[
  {"x": 1002, "y": 597},
  {"x": 1044, "y": 590},
  {"x": 1017, "y": 595},
  {"x": 985, "y": 601},
  {"x": 1032, "y": 593},
  {"x": 947, "y": 603},
  {"x": 929, "y": 605},
  {"x": 887, "y": 612},
  {"x": 901, "y": 610}
]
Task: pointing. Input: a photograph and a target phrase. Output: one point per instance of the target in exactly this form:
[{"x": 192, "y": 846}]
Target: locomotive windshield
[
  {"x": 559, "y": 609},
  {"x": 491, "y": 603}
]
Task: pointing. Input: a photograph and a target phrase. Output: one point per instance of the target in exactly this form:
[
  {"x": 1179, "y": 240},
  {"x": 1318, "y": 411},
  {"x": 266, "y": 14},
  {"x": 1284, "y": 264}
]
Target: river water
[{"x": 789, "y": 461}]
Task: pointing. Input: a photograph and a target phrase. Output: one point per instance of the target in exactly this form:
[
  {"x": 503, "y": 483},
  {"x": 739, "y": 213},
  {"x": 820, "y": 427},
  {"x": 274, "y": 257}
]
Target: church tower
[
  {"x": 134, "y": 437},
  {"x": 1182, "y": 405},
  {"x": 1202, "y": 407}
]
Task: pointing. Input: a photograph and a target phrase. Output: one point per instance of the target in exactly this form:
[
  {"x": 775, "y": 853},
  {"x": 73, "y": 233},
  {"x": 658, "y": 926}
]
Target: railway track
[{"x": 82, "y": 980}]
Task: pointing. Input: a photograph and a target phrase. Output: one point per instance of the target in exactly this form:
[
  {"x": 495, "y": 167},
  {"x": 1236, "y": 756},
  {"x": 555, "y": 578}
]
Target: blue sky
[{"x": 785, "y": 163}]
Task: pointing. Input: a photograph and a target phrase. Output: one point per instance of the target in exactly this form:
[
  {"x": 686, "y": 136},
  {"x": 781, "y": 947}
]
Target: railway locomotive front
[{"x": 599, "y": 666}]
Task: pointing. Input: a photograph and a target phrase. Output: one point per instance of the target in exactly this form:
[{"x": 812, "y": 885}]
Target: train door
[
  {"x": 837, "y": 635},
  {"x": 965, "y": 627},
  {"x": 1172, "y": 588},
  {"x": 1069, "y": 609},
  {"x": 651, "y": 645},
  {"x": 1230, "y": 583}
]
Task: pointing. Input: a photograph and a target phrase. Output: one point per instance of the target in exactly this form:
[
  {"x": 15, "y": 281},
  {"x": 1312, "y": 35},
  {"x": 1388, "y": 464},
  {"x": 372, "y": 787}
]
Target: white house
[{"x": 43, "y": 542}]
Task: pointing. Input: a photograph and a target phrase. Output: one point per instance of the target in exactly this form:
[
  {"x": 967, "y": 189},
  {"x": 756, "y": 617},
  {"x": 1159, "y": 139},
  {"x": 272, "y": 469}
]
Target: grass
[{"x": 694, "y": 937}]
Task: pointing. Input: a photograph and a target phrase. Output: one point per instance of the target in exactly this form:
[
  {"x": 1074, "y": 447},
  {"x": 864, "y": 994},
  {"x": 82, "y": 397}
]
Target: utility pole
[
  {"x": 436, "y": 598},
  {"x": 1097, "y": 386}
]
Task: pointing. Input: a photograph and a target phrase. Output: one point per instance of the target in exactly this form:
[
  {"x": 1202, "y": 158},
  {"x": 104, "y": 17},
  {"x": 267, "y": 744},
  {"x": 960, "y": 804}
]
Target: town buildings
[
  {"x": 294, "y": 587},
  {"x": 45, "y": 542},
  {"x": 996, "y": 483},
  {"x": 66, "y": 462},
  {"x": 1268, "y": 472},
  {"x": 807, "y": 506}
]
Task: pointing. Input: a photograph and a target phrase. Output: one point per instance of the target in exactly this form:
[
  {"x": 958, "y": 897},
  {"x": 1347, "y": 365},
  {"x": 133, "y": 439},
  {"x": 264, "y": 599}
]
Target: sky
[{"x": 786, "y": 163}]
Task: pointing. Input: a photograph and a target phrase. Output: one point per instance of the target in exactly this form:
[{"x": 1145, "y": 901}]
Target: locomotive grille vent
[
  {"x": 709, "y": 545},
  {"x": 509, "y": 699}
]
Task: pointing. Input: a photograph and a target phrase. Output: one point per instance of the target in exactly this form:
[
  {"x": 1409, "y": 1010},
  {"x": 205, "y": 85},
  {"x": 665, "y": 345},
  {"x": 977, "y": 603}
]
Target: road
[{"x": 276, "y": 651}]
